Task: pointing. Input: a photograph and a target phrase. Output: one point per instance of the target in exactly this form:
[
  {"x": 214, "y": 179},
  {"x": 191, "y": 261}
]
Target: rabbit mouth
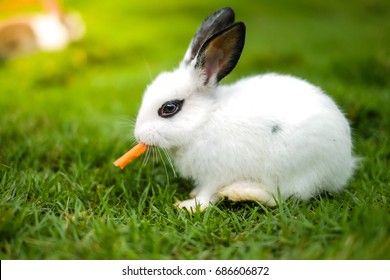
[{"x": 152, "y": 137}]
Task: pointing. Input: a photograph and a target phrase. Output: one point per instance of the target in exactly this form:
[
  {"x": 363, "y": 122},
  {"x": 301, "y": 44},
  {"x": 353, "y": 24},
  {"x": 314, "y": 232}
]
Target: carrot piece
[{"x": 135, "y": 152}]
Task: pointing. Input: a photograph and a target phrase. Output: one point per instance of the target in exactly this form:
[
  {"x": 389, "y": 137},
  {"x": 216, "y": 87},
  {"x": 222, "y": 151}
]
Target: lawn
[{"x": 66, "y": 116}]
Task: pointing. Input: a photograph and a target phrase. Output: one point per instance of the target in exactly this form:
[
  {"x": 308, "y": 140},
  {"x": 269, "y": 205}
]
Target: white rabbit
[{"x": 259, "y": 139}]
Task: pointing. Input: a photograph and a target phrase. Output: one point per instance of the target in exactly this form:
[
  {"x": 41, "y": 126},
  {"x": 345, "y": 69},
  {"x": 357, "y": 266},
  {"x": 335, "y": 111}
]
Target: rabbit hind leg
[{"x": 247, "y": 191}]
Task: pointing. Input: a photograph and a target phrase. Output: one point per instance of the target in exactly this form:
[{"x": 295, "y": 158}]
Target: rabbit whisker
[
  {"x": 146, "y": 158},
  {"x": 164, "y": 164},
  {"x": 149, "y": 71},
  {"x": 169, "y": 161},
  {"x": 155, "y": 156}
]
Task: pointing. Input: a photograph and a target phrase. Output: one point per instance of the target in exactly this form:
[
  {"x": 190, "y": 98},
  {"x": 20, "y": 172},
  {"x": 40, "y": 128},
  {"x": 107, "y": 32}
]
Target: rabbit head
[{"x": 178, "y": 102}]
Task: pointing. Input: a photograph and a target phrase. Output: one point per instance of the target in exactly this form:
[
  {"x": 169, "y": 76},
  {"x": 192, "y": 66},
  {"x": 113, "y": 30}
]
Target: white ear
[
  {"x": 213, "y": 24},
  {"x": 219, "y": 54}
]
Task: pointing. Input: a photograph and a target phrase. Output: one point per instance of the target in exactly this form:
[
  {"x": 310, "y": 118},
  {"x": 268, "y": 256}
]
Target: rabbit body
[
  {"x": 256, "y": 139},
  {"x": 278, "y": 132}
]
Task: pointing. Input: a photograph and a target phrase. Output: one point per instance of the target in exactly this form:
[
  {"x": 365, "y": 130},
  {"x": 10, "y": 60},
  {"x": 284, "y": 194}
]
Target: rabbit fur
[{"x": 262, "y": 138}]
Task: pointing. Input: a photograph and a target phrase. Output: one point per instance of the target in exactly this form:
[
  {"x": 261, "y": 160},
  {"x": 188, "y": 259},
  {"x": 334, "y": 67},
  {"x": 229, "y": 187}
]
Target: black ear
[
  {"x": 213, "y": 24},
  {"x": 219, "y": 54}
]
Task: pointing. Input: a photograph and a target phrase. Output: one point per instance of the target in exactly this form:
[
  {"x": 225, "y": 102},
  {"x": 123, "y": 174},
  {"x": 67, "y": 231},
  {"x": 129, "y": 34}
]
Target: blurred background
[
  {"x": 67, "y": 102},
  {"x": 339, "y": 45}
]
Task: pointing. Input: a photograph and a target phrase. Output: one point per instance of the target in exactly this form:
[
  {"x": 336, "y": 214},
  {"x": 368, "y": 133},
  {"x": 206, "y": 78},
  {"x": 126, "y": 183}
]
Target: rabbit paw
[
  {"x": 192, "y": 205},
  {"x": 247, "y": 191}
]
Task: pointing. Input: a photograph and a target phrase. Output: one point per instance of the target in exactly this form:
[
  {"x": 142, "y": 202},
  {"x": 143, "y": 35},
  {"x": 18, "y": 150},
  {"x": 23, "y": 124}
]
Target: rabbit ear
[
  {"x": 219, "y": 54},
  {"x": 213, "y": 24}
]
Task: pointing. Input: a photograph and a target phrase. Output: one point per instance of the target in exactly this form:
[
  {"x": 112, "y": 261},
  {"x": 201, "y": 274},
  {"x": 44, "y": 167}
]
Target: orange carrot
[{"x": 135, "y": 152}]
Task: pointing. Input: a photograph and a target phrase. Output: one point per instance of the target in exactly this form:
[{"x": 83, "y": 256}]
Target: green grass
[{"x": 64, "y": 117}]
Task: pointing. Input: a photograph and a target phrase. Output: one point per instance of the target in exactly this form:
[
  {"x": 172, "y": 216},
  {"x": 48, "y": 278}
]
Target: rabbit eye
[{"x": 170, "y": 108}]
